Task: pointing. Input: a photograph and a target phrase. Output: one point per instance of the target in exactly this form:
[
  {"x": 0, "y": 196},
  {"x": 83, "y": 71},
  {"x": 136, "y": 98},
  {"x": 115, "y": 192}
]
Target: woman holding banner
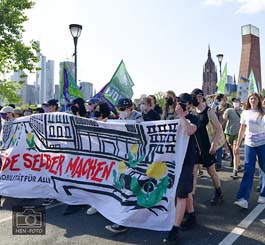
[{"x": 184, "y": 197}]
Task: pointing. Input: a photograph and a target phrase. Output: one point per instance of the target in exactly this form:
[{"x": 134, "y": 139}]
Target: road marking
[
  {"x": 244, "y": 224},
  {"x": 5, "y": 219},
  {"x": 252, "y": 216},
  {"x": 231, "y": 237},
  {"x": 48, "y": 207}
]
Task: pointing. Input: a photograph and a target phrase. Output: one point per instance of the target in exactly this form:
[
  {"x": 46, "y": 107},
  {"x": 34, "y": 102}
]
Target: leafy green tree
[
  {"x": 14, "y": 54},
  {"x": 159, "y": 98}
]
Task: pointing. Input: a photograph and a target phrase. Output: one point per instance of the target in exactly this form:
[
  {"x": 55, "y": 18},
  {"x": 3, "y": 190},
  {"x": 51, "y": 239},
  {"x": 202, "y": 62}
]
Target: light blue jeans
[{"x": 249, "y": 170}]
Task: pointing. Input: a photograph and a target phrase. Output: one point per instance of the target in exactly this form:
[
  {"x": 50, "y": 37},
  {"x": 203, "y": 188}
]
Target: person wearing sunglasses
[
  {"x": 7, "y": 113},
  {"x": 126, "y": 111}
]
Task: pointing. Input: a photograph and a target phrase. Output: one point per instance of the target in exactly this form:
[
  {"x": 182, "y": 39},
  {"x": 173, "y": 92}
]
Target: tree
[
  {"x": 159, "y": 98},
  {"x": 14, "y": 54}
]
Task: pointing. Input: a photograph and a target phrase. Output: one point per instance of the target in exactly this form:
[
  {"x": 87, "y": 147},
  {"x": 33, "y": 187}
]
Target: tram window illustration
[{"x": 51, "y": 131}]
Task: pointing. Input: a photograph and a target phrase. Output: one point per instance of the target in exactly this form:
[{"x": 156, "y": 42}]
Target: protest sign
[{"x": 128, "y": 171}]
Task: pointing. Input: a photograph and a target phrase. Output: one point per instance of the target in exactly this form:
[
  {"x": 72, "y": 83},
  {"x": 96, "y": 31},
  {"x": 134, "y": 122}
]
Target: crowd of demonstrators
[
  {"x": 194, "y": 115},
  {"x": 252, "y": 126}
]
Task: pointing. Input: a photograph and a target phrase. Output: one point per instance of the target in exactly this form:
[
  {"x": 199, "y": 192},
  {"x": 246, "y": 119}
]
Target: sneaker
[
  {"x": 240, "y": 168},
  {"x": 189, "y": 222},
  {"x": 91, "y": 211},
  {"x": 234, "y": 176},
  {"x": 115, "y": 228},
  {"x": 242, "y": 203},
  {"x": 48, "y": 202},
  {"x": 173, "y": 236},
  {"x": 217, "y": 199},
  {"x": 261, "y": 200}
]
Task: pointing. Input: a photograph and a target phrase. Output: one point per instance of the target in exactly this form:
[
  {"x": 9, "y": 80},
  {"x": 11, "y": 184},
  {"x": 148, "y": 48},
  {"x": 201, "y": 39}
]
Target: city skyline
[{"x": 164, "y": 45}]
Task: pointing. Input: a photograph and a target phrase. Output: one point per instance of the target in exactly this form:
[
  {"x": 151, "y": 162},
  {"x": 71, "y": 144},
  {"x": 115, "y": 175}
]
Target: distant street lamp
[
  {"x": 220, "y": 59},
  {"x": 75, "y": 30}
]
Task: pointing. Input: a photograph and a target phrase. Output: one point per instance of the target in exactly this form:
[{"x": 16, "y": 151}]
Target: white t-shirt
[{"x": 255, "y": 130}]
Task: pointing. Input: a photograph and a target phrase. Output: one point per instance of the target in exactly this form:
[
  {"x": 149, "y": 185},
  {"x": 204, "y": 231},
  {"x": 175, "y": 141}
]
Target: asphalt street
[{"x": 221, "y": 224}]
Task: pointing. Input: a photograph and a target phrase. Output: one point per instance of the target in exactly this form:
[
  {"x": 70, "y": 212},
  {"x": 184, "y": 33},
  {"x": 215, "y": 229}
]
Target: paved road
[{"x": 215, "y": 224}]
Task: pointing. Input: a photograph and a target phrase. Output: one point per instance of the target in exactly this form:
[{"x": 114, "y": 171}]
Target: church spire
[{"x": 209, "y": 52}]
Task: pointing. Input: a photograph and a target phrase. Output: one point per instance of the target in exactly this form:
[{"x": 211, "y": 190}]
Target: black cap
[
  {"x": 93, "y": 101},
  {"x": 51, "y": 102},
  {"x": 124, "y": 103},
  {"x": 197, "y": 91},
  {"x": 236, "y": 99},
  {"x": 184, "y": 98}
]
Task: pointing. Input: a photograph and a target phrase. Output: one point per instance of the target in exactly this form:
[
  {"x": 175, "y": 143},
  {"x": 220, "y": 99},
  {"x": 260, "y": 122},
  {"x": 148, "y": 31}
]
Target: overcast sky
[{"x": 164, "y": 43}]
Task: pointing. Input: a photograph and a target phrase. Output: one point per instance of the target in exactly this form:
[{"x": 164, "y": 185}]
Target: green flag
[
  {"x": 222, "y": 81},
  {"x": 120, "y": 85},
  {"x": 252, "y": 86},
  {"x": 69, "y": 88}
]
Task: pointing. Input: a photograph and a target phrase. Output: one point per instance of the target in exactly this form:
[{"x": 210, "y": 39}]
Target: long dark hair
[
  {"x": 82, "y": 108},
  {"x": 259, "y": 106}
]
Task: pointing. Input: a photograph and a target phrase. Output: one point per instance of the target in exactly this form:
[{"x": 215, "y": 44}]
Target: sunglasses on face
[
  {"x": 183, "y": 102},
  {"x": 122, "y": 109}
]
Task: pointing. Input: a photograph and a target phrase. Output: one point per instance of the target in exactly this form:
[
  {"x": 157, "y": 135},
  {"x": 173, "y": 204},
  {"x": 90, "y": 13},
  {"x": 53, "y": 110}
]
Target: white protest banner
[{"x": 127, "y": 171}]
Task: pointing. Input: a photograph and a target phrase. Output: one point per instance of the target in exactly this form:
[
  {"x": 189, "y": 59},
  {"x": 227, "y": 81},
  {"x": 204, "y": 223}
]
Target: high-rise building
[
  {"x": 27, "y": 94},
  {"x": 86, "y": 89},
  {"x": 57, "y": 92},
  {"x": 250, "y": 54},
  {"x": 44, "y": 83},
  {"x": 49, "y": 80},
  {"x": 209, "y": 76},
  {"x": 19, "y": 76},
  {"x": 41, "y": 79}
]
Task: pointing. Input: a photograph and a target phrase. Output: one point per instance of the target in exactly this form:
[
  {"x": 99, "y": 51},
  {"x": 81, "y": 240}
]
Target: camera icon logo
[{"x": 28, "y": 220}]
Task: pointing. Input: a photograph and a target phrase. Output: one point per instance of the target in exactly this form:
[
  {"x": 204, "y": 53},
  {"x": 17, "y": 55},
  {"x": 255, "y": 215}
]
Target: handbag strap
[{"x": 237, "y": 113}]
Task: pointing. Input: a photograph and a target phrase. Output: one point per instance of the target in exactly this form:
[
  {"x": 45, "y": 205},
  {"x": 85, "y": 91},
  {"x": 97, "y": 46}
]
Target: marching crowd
[{"x": 216, "y": 131}]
